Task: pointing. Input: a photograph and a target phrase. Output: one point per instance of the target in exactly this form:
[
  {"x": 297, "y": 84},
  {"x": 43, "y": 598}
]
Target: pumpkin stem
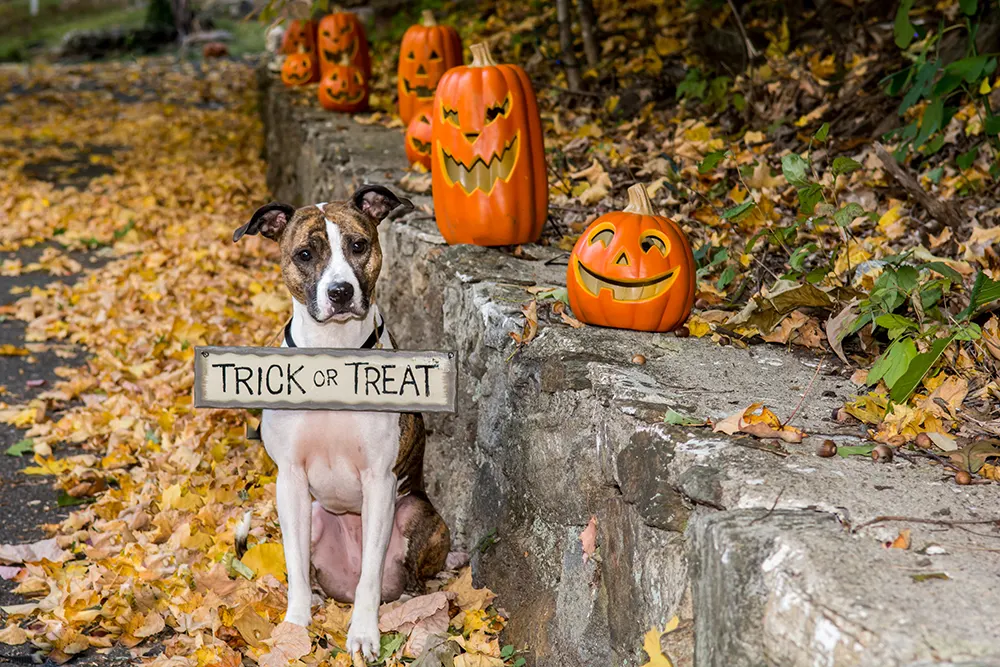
[
  {"x": 427, "y": 18},
  {"x": 638, "y": 201},
  {"x": 481, "y": 56}
]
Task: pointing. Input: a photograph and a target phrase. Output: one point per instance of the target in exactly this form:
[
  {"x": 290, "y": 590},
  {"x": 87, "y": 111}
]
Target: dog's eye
[
  {"x": 304, "y": 255},
  {"x": 359, "y": 247}
]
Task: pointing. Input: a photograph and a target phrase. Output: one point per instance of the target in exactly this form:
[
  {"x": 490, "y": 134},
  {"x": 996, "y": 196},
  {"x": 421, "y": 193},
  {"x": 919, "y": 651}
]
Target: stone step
[{"x": 762, "y": 554}]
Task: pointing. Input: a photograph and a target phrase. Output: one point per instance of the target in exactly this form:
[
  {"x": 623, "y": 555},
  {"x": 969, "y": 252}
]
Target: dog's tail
[{"x": 242, "y": 533}]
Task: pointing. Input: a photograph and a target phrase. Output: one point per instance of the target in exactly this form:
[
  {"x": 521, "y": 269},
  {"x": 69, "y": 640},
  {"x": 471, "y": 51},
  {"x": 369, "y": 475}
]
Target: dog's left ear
[
  {"x": 269, "y": 221},
  {"x": 378, "y": 201}
]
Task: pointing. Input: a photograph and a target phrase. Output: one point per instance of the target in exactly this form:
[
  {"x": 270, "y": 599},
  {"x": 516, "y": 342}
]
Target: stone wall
[{"x": 752, "y": 549}]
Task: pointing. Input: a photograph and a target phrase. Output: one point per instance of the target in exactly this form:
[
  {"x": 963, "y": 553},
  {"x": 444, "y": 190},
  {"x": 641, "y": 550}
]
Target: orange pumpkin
[
  {"x": 418, "y": 138},
  {"x": 427, "y": 52},
  {"x": 339, "y": 36},
  {"x": 632, "y": 269},
  {"x": 300, "y": 37},
  {"x": 487, "y": 155},
  {"x": 344, "y": 89},
  {"x": 298, "y": 69}
]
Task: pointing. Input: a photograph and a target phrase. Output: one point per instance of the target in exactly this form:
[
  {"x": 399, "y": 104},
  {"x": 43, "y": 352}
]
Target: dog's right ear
[{"x": 268, "y": 221}]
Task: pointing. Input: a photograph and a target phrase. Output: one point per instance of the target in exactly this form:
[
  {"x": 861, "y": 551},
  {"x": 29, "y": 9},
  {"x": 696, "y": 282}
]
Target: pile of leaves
[{"x": 147, "y": 560}]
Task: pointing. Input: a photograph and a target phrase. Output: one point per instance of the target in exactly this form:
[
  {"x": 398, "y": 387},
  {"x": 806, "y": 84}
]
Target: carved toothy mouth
[
  {"x": 336, "y": 56},
  {"x": 423, "y": 92},
  {"x": 422, "y": 147},
  {"x": 481, "y": 175},
  {"x": 345, "y": 97},
  {"x": 638, "y": 290}
]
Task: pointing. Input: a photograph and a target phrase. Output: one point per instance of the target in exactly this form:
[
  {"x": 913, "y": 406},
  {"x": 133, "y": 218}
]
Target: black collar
[{"x": 369, "y": 344}]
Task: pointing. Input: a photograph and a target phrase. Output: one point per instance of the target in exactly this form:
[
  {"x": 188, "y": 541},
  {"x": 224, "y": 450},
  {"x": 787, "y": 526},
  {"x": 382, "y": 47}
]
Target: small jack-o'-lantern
[
  {"x": 341, "y": 36},
  {"x": 343, "y": 89},
  {"x": 427, "y": 52},
  {"x": 418, "y": 138},
  {"x": 298, "y": 69},
  {"x": 487, "y": 155},
  {"x": 300, "y": 37},
  {"x": 632, "y": 269}
]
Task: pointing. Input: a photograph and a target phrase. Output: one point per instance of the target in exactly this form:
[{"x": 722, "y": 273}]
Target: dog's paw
[
  {"x": 299, "y": 618},
  {"x": 363, "y": 636}
]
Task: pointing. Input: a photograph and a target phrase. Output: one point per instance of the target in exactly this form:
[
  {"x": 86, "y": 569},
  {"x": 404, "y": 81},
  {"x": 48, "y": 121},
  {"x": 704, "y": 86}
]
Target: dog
[{"x": 370, "y": 534}]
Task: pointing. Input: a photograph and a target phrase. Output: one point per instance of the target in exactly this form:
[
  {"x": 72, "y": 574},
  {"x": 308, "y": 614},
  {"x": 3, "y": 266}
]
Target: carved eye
[
  {"x": 359, "y": 247},
  {"x": 346, "y": 29},
  {"x": 304, "y": 255},
  {"x": 357, "y": 79},
  {"x": 604, "y": 236},
  {"x": 424, "y": 119},
  {"x": 651, "y": 241},
  {"x": 497, "y": 110},
  {"x": 450, "y": 115},
  {"x": 333, "y": 76},
  {"x": 434, "y": 55},
  {"x": 410, "y": 56},
  {"x": 326, "y": 33}
]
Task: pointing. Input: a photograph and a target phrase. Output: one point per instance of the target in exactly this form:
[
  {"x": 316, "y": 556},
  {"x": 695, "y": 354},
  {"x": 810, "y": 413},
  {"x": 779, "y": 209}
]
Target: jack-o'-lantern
[
  {"x": 632, "y": 269},
  {"x": 487, "y": 155},
  {"x": 418, "y": 138},
  {"x": 344, "y": 89},
  {"x": 341, "y": 35},
  {"x": 298, "y": 69},
  {"x": 427, "y": 52},
  {"x": 300, "y": 37}
]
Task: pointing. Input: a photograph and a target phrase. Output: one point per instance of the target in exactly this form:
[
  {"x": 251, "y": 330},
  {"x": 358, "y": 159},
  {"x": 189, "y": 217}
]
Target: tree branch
[
  {"x": 566, "y": 44},
  {"x": 943, "y": 212},
  {"x": 588, "y": 29}
]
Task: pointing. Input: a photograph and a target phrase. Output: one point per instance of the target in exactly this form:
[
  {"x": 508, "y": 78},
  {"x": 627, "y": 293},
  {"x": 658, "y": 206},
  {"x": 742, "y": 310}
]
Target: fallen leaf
[
  {"x": 588, "y": 539},
  {"x": 760, "y": 422},
  {"x": 651, "y": 644},
  {"x": 267, "y": 558},
  {"x": 33, "y": 553},
  {"x": 902, "y": 540},
  {"x": 288, "y": 641}
]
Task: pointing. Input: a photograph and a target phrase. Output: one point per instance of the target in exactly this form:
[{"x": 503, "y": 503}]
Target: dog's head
[{"x": 330, "y": 254}]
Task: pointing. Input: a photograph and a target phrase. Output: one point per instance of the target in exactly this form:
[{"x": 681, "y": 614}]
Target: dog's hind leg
[{"x": 427, "y": 539}]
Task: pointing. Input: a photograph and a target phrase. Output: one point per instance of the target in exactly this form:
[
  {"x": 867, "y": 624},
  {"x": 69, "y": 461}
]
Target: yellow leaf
[
  {"x": 266, "y": 558},
  {"x": 651, "y": 645},
  {"x": 984, "y": 87},
  {"x": 13, "y": 635}
]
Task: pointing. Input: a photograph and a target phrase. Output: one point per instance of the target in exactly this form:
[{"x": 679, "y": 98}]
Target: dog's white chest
[{"x": 336, "y": 449}]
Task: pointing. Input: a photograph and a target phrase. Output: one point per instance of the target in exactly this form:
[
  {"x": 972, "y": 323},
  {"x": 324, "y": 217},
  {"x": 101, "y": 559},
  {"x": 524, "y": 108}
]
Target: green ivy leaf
[
  {"x": 845, "y": 165},
  {"x": 727, "y": 277},
  {"x": 26, "y": 446},
  {"x": 984, "y": 291},
  {"x": 931, "y": 122},
  {"x": 795, "y": 168},
  {"x": 917, "y": 369},
  {"x": 968, "y": 6},
  {"x": 893, "y": 363},
  {"x": 965, "y": 160},
  {"x": 846, "y": 215},
  {"x": 809, "y": 196},
  {"x": 896, "y": 325},
  {"x": 822, "y": 132},
  {"x": 992, "y": 125},
  {"x": 903, "y": 30},
  {"x": 739, "y": 212},
  {"x": 389, "y": 644},
  {"x": 855, "y": 450},
  {"x": 671, "y": 416},
  {"x": 969, "y": 69},
  {"x": 711, "y": 160}
]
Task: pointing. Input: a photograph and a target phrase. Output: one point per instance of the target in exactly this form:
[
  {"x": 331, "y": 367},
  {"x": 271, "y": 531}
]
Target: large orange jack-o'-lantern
[
  {"x": 298, "y": 69},
  {"x": 343, "y": 89},
  {"x": 418, "y": 138},
  {"x": 427, "y": 52},
  {"x": 632, "y": 269},
  {"x": 341, "y": 35},
  {"x": 487, "y": 155}
]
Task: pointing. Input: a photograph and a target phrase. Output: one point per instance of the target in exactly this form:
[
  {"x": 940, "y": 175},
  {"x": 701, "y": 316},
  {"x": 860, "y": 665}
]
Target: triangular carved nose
[
  {"x": 622, "y": 259},
  {"x": 421, "y": 71}
]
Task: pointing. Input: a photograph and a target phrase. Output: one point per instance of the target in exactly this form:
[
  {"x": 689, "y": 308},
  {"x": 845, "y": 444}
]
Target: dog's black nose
[{"x": 341, "y": 294}]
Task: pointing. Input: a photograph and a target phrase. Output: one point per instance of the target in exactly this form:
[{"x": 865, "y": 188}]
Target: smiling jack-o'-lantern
[
  {"x": 344, "y": 89},
  {"x": 487, "y": 155},
  {"x": 341, "y": 35},
  {"x": 632, "y": 269},
  {"x": 300, "y": 37},
  {"x": 418, "y": 138},
  {"x": 427, "y": 52},
  {"x": 298, "y": 69}
]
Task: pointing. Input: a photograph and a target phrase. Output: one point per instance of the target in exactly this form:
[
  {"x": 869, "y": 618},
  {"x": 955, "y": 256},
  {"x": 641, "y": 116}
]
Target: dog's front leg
[
  {"x": 377, "y": 509},
  {"x": 295, "y": 516}
]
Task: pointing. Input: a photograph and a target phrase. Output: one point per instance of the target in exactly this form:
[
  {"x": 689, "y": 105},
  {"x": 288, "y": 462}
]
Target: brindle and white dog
[{"x": 371, "y": 531}]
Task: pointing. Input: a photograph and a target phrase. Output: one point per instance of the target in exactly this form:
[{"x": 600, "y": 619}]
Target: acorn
[
  {"x": 725, "y": 340},
  {"x": 882, "y": 454},
  {"x": 639, "y": 359},
  {"x": 827, "y": 449},
  {"x": 682, "y": 332},
  {"x": 924, "y": 440},
  {"x": 962, "y": 477}
]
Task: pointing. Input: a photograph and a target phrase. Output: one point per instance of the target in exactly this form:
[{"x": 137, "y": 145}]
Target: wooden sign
[{"x": 278, "y": 378}]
